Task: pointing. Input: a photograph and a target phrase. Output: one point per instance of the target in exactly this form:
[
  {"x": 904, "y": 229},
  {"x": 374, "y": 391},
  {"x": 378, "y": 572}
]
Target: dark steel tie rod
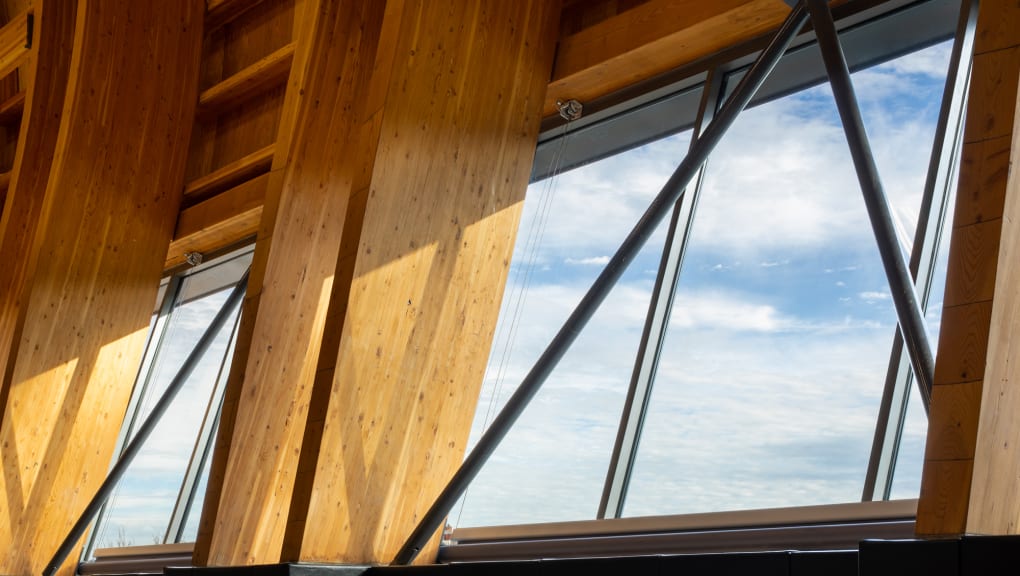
[
  {"x": 901, "y": 283},
  {"x": 145, "y": 430},
  {"x": 660, "y": 207}
]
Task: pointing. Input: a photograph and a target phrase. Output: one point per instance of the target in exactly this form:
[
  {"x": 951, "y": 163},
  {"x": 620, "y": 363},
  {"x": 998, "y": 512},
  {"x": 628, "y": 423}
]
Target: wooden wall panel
[
  {"x": 969, "y": 482},
  {"x": 452, "y": 164},
  {"x": 105, "y": 221}
]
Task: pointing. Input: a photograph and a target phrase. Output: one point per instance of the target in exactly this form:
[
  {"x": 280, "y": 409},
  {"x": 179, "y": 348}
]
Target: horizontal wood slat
[
  {"x": 12, "y": 108},
  {"x": 651, "y": 39},
  {"x": 245, "y": 168},
  {"x": 220, "y": 12},
  {"x": 14, "y": 42},
  {"x": 254, "y": 80},
  {"x": 220, "y": 221}
]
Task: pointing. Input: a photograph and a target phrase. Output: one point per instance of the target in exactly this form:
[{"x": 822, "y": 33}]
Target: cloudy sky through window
[{"x": 779, "y": 339}]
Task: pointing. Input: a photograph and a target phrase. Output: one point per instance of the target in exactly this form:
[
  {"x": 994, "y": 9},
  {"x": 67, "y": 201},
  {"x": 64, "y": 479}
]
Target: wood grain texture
[
  {"x": 220, "y": 12},
  {"x": 940, "y": 510},
  {"x": 953, "y": 430},
  {"x": 651, "y": 39},
  {"x": 241, "y": 170},
  {"x": 459, "y": 128},
  {"x": 11, "y": 109},
  {"x": 984, "y": 167},
  {"x": 230, "y": 132},
  {"x": 305, "y": 215},
  {"x": 252, "y": 81},
  {"x": 961, "y": 355},
  {"x": 968, "y": 488},
  {"x": 1000, "y": 32},
  {"x": 995, "y": 489},
  {"x": 104, "y": 225},
  {"x": 5, "y": 183},
  {"x": 973, "y": 252},
  {"x": 47, "y": 76},
  {"x": 993, "y": 85},
  {"x": 14, "y": 45}
]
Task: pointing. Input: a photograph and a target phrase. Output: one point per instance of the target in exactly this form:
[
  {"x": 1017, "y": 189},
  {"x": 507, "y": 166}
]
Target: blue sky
[{"x": 777, "y": 347}]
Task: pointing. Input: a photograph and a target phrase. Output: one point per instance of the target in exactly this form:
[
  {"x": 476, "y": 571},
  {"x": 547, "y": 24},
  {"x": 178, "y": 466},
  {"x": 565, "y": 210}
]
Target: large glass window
[
  {"x": 778, "y": 344},
  {"x": 552, "y": 465},
  {"x": 779, "y": 339},
  {"x": 159, "y": 498}
]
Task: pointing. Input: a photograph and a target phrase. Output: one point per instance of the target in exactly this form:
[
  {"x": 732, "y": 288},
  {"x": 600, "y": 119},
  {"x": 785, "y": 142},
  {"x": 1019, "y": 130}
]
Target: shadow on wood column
[
  {"x": 103, "y": 214},
  {"x": 463, "y": 104},
  {"x": 46, "y": 82},
  {"x": 405, "y": 148},
  {"x": 326, "y": 117}
]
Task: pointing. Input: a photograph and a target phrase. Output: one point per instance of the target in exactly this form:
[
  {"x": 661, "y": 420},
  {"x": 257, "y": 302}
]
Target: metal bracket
[
  {"x": 570, "y": 110},
  {"x": 193, "y": 258}
]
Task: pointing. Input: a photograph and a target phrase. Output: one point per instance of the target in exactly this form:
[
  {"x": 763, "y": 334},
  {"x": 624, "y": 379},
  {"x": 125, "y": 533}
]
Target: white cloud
[
  {"x": 932, "y": 62},
  {"x": 721, "y": 311},
  {"x": 592, "y": 261},
  {"x": 873, "y": 296}
]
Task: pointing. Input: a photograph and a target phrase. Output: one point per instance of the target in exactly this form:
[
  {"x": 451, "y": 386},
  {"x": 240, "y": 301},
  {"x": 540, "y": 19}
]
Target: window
[
  {"x": 778, "y": 344},
  {"x": 776, "y": 351},
  {"x": 553, "y": 461},
  {"x": 160, "y": 497}
]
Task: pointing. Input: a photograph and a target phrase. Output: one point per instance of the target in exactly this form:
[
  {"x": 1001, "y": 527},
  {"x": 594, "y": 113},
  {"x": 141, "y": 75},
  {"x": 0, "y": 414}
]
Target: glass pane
[
  {"x": 778, "y": 343},
  {"x": 194, "y": 508},
  {"x": 910, "y": 459},
  {"x": 139, "y": 511},
  {"x": 553, "y": 463}
]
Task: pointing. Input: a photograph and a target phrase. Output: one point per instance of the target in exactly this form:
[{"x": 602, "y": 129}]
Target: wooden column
[
  {"x": 406, "y": 144},
  {"x": 995, "y": 489},
  {"x": 103, "y": 222},
  {"x": 327, "y": 122},
  {"x": 451, "y": 166},
  {"x": 970, "y": 482}
]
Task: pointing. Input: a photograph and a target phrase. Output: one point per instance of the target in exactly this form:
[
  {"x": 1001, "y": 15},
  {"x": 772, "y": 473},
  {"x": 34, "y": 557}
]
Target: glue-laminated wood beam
[
  {"x": 400, "y": 168},
  {"x": 104, "y": 221}
]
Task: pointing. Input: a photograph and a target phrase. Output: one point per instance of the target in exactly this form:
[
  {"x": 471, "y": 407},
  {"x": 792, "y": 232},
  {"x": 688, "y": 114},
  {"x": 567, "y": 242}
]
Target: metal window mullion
[
  {"x": 203, "y": 444},
  {"x": 621, "y": 464},
  {"x": 931, "y": 227}
]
